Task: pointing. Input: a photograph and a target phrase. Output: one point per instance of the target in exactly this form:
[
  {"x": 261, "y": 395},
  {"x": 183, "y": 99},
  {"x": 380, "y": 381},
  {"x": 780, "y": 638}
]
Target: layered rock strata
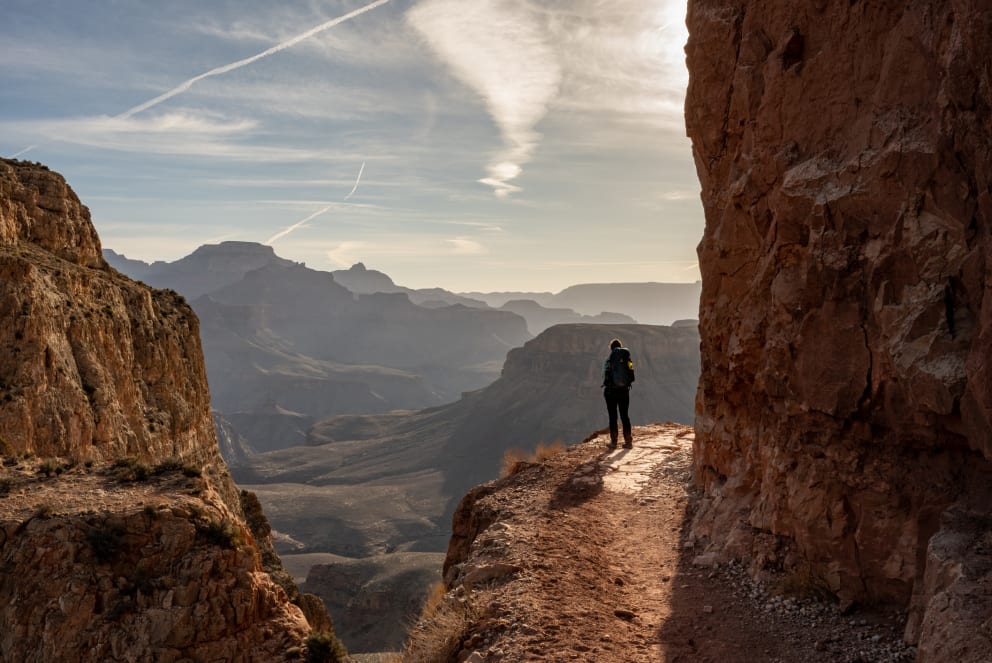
[
  {"x": 102, "y": 565},
  {"x": 122, "y": 535},
  {"x": 844, "y": 152},
  {"x": 92, "y": 364}
]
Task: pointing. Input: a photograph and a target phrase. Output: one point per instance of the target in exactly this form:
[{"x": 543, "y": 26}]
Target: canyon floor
[{"x": 588, "y": 559}]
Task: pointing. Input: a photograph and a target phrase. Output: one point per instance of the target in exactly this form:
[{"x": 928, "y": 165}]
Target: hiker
[{"x": 618, "y": 375}]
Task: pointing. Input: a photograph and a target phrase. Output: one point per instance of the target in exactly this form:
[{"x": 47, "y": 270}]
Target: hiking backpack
[{"x": 621, "y": 368}]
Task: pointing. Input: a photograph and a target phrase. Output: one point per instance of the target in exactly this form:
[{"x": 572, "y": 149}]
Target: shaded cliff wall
[{"x": 845, "y": 156}]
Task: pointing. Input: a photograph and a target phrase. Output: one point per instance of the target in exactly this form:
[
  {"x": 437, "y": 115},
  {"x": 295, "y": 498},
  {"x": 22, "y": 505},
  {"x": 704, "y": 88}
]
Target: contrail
[
  {"x": 182, "y": 87},
  {"x": 301, "y": 224},
  {"x": 24, "y": 151},
  {"x": 296, "y": 226},
  {"x": 355, "y": 188}
]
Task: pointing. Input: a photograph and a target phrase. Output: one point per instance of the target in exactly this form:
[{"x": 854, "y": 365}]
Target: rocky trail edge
[{"x": 586, "y": 556}]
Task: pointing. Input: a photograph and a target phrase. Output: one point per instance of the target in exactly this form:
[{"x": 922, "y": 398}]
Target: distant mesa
[{"x": 647, "y": 303}]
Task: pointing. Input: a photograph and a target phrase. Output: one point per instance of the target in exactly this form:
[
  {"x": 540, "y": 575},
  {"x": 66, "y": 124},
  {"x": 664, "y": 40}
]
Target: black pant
[{"x": 618, "y": 398}]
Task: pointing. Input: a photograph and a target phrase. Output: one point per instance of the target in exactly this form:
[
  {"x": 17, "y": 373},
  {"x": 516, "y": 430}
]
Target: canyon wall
[
  {"x": 92, "y": 365},
  {"x": 845, "y": 155},
  {"x": 122, "y": 535}
]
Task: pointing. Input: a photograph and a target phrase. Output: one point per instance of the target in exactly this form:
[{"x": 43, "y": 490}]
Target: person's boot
[
  {"x": 613, "y": 443},
  {"x": 628, "y": 440}
]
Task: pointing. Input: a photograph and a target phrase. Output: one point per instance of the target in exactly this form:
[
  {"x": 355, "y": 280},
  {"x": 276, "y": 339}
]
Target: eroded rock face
[
  {"x": 98, "y": 569},
  {"x": 92, "y": 364},
  {"x": 117, "y": 562},
  {"x": 844, "y": 152}
]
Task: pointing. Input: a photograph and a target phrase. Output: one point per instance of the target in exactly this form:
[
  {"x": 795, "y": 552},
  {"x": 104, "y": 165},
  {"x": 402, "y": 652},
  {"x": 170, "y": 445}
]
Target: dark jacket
[{"x": 618, "y": 369}]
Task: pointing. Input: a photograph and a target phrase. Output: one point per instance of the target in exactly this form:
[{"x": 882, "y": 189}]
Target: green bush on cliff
[
  {"x": 105, "y": 541},
  {"x": 324, "y": 647},
  {"x": 221, "y": 533}
]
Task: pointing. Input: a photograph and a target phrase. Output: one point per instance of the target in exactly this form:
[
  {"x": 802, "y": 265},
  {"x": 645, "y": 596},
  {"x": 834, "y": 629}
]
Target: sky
[{"x": 469, "y": 144}]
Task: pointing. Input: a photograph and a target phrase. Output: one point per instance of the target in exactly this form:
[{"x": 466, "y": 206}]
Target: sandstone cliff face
[
  {"x": 844, "y": 152},
  {"x": 92, "y": 365},
  {"x": 100, "y": 569},
  {"x": 106, "y": 561}
]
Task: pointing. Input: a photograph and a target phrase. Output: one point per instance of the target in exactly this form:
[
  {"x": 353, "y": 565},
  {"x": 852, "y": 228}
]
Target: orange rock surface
[{"x": 844, "y": 151}]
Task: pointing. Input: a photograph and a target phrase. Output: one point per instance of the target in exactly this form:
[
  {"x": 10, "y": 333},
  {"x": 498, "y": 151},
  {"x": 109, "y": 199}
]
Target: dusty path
[{"x": 587, "y": 560}]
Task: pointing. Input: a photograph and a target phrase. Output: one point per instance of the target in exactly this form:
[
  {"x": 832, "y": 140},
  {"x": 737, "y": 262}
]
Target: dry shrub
[
  {"x": 514, "y": 460},
  {"x": 441, "y": 629},
  {"x": 804, "y": 583}
]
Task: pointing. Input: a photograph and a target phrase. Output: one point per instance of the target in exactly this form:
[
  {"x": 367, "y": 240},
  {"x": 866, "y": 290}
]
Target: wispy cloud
[
  {"x": 217, "y": 71},
  {"x": 238, "y": 64},
  {"x": 501, "y": 51},
  {"x": 409, "y": 248},
  {"x": 303, "y": 222},
  {"x": 179, "y": 132}
]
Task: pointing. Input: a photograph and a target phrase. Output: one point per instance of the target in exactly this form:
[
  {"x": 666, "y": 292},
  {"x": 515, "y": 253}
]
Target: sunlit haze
[{"x": 483, "y": 145}]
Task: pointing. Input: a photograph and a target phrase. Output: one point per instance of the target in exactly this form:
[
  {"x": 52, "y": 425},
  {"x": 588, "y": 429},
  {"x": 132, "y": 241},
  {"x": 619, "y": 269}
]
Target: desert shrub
[
  {"x": 44, "y": 510},
  {"x": 131, "y": 469},
  {"x": 169, "y": 465},
  {"x": 151, "y": 511},
  {"x": 105, "y": 541},
  {"x": 5, "y": 448},
  {"x": 442, "y": 628},
  {"x": 49, "y": 467},
  {"x": 192, "y": 471},
  {"x": 5, "y": 486},
  {"x": 176, "y": 465},
  {"x": 324, "y": 647},
  {"x": 222, "y": 533},
  {"x": 514, "y": 460},
  {"x": 803, "y": 583}
]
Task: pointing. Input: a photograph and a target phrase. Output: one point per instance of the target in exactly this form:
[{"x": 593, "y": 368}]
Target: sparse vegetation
[
  {"x": 176, "y": 465},
  {"x": 222, "y": 533},
  {"x": 515, "y": 460},
  {"x": 44, "y": 510},
  {"x": 49, "y": 467},
  {"x": 441, "y": 629},
  {"x": 131, "y": 469},
  {"x": 151, "y": 511},
  {"x": 5, "y": 486},
  {"x": 803, "y": 583},
  {"x": 169, "y": 465},
  {"x": 192, "y": 471},
  {"x": 105, "y": 541},
  {"x": 324, "y": 647}
]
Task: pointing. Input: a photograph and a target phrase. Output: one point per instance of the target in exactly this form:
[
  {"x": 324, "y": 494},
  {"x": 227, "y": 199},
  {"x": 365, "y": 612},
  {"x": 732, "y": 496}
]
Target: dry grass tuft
[
  {"x": 803, "y": 583},
  {"x": 514, "y": 460},
  {"x": 441, "y": 629}
]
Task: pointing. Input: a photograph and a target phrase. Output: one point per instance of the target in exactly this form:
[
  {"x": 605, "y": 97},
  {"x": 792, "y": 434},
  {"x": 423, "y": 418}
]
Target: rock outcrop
[
  {"x": 122, "y": 536},
  {"x": 92, "y": 365},
  {"x": 845, "y": 403}
]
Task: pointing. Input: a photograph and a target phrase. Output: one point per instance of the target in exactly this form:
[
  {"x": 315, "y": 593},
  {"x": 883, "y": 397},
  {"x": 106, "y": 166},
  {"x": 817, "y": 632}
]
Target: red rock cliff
[
  {"x": 93, "y": 365},
  {"x": 122, "y": 535},
  {"x": 845, "y": 404}
]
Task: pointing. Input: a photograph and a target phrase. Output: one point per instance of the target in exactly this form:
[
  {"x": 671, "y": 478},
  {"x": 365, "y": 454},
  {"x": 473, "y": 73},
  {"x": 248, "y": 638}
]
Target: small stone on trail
[
  {"x": 708, "y": 609},
  {"x": 625, "y": 615}
]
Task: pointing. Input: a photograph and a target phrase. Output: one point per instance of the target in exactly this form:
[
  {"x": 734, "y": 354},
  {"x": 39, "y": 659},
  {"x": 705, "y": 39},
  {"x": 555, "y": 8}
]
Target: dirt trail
[{"x": 588, "y": 560}]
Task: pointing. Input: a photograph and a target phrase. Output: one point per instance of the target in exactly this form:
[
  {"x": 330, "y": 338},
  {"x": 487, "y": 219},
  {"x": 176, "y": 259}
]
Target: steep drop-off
[
  {"x": 845, "y": 405},
  {"x": 122, "y": 537}
]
